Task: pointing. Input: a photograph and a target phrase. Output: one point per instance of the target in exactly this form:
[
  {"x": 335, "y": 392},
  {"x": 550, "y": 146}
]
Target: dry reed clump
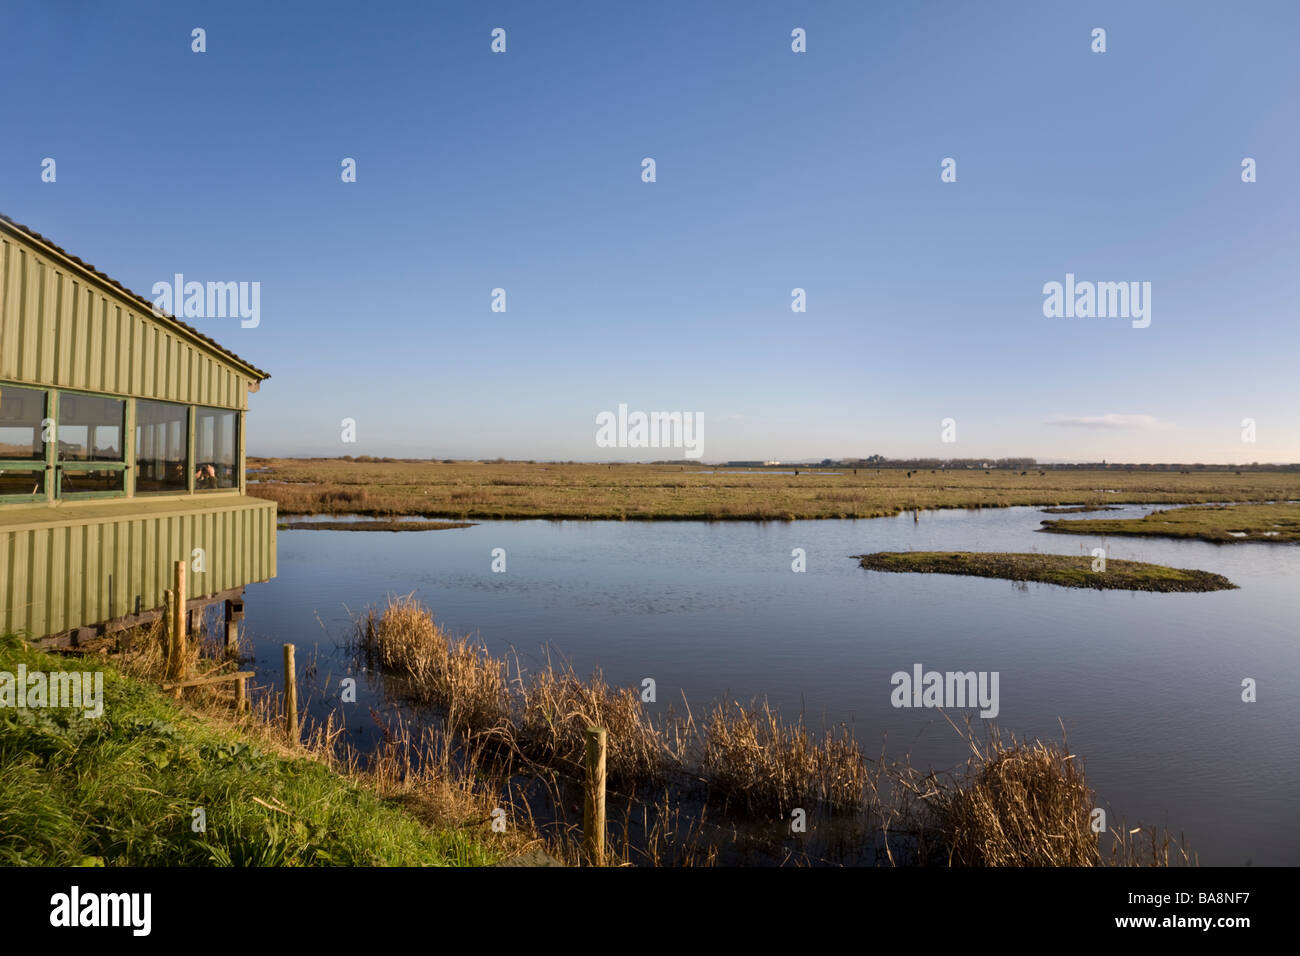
[
  {"x": 404, "y": 639},
  {"x": 752, "y": 757},
  {"x": 1020, "y": 804},
  {"x": 557, "y": 709},
  {"x": 554, "y": 707},
  {"x": 458, "y": 675}
]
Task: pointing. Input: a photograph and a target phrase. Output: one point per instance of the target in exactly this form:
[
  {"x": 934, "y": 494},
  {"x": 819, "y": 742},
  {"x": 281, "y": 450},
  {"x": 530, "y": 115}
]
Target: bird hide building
[{"x": 121, "y": 452}]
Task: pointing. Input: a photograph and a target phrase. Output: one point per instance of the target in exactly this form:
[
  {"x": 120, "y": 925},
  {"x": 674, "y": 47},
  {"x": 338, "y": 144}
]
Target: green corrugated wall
[
  {"x": 59, "y": 328},
  {"x": 54, "y": 572}
]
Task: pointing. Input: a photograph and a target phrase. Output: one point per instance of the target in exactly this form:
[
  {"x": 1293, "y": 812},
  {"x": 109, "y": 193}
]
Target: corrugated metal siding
[
  {"x": 59, "y": 329},
  {"x": 55, "y": 575}
]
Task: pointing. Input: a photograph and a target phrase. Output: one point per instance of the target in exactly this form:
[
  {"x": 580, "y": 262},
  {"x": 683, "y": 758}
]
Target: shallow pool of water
[{"x": 1148, "y": 685}]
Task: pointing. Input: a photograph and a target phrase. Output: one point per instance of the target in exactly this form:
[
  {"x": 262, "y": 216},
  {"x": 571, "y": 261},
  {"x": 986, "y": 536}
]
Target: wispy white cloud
[{"x": 1133, "y": 422}]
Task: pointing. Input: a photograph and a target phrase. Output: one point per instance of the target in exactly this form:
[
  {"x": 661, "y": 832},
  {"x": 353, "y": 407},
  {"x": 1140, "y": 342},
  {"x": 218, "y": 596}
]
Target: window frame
[
  {"x": 194, "y": 458},
  {"x": 59, "y": 467},
  {"x": 53, "y": 468},
  {"x": 41, "y": 464},
  {"x": 189, "y": 449}
]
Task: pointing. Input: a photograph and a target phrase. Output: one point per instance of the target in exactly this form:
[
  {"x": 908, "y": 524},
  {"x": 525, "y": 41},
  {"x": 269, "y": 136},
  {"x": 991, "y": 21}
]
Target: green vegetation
[
  {"x": 1218, "y": 524},
  {"x": 372, "y": 525},
  {"x": 1068, "y": 571},
  {"x": 690, "y": 491},
  {"x": 1076, "y": 509},
  {"x": 120, "y": 790}
]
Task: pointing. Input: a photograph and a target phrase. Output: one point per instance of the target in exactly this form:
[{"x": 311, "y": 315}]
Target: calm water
[{"x": 1148, "y": 685}]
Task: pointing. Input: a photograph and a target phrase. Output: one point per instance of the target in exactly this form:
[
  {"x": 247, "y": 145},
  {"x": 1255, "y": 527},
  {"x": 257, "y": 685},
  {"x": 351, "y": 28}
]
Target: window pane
[
  {"x": 162, "y": 443},
  {"x": 214, "y": 448},
  {"x": 21, "y": 411},
  {"x": 90, "y": 427},
  {"x": 22, "y": 481},
  {"x": 74, "y": 481}
]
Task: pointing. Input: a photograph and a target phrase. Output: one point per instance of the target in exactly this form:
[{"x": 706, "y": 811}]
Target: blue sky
[{"x": 775, "y": 170}]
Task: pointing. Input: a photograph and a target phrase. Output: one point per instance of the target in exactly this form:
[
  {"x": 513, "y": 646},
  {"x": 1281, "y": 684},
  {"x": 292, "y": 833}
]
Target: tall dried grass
[
  {"x": 557, "y": 707},
  {"x": 1015, "y": 803},
  {"x": 456, "y": 674},
  {"x": 1022, "y": 804},
  {"x": 752, "y": 757}
]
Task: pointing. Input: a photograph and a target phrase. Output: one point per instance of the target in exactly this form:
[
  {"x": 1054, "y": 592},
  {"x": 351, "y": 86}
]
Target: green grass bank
[
  {"x": 1276, "y": 522},
  {"x": 122, "y": 790}
]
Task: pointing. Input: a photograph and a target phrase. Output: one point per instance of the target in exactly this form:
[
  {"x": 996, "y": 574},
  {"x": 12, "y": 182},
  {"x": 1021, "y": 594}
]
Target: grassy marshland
[
  {"x": 1077, "y": 509},
  {"x": 1065, "y": 570},
  {"x": 372, "y": 525},
  {"x": 120, "y": 790},
  {"x": 1217, "y": 524},
  {"x": 466, "y": 490}
]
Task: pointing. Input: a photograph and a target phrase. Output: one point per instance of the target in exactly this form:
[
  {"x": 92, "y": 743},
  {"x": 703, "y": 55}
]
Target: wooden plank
[{"x": 200, "y": 681}]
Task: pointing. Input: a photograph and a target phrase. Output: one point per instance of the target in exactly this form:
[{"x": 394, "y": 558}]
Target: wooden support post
[
  {"x": 290, "y": 695},
  {"x": 593, "y": 812},
  {"x": 234, "y": 614},
  {"x": 241, "y": 695}
]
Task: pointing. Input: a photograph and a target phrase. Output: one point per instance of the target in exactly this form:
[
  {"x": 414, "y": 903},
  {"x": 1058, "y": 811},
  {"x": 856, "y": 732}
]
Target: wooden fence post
[
  {"x": 290, "y": 695},
  {"x": 593, "y": 811}
]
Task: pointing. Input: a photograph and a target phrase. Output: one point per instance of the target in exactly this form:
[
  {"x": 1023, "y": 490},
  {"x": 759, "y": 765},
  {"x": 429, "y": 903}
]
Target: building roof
[{"x": 144, "y": 303}]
